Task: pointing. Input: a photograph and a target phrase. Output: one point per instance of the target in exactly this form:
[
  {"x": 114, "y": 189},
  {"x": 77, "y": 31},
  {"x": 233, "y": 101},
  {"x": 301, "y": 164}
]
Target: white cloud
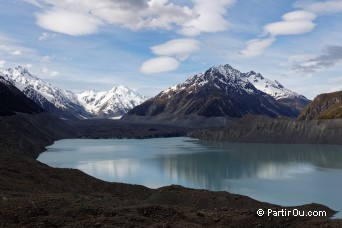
[
  {"x": 49, "y": 73},
  {"x": 2, "y": 63},
  {"x": 16, "y": 52},
  {"x": 301, "y": 58},
  {"x": 293, "y": 23},
  {"x": 46, "y": 36},
  {"x": 64, "y": 16},
  {"x": 296, "y": 22},
  {"x": 68, "y": 22},
  {"x": 210, "y": 17},
  {"x": 179, "y": 48},
  {"x": 326, "y": 7},
  {"x": 81, "y": 17},
  {"x": 159, "y": 65},
  {"x": 28, "y": 66},
  {"x": 47, "y": 58},
  {"x": 256, "y": 47},
  {"x": 34, "y": 2}
]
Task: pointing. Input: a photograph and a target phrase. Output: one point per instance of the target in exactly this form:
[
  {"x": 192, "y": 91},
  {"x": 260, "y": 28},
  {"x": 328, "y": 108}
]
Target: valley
[{"x": 27, "y": 129}]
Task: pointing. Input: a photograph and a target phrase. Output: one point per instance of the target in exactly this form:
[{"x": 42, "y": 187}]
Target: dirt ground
[{"x": 33, "y": 194}]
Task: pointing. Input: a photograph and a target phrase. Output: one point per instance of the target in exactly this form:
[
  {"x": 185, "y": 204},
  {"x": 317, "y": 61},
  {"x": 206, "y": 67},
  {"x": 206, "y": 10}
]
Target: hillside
[
  {"x": 13, "y": 100},
  {"x": 260, "y": 129},
  {"x": 324, "y": 106}
]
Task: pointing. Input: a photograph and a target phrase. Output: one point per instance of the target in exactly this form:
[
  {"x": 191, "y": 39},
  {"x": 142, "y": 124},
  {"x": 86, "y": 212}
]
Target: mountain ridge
[
  {"x": 67, "y": 104},
  {"x": 220, "y": 91}
]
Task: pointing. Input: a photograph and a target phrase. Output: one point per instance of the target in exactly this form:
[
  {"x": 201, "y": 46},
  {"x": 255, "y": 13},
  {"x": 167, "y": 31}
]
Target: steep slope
[
  {"x": 13, "y": 100},
  {"x": 59, "y": 102},
  {"x": 220, "y": 91},
  {"x": 113, "y": 103},
  {"x": 324, "y": 106},
  {"x": 67, "y": 104},
  {"x": 277, "y": 91}
]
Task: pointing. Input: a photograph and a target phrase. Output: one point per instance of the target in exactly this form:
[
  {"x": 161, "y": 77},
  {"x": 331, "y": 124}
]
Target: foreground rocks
[
  {"x": 29, "y": 134},
  {"x": 35, "y": 195}
]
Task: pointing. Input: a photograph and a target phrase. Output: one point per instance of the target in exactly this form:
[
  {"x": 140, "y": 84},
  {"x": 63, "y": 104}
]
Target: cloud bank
[{"x": 330, "y": 57}]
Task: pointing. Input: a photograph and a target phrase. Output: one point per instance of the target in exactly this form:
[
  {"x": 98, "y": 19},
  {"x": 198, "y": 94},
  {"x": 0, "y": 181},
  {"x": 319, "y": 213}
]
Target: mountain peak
[
  {"x": 226, "y": 70},
  {"x": 220, "y": 91},
  {"x": 67, "y": 104}
]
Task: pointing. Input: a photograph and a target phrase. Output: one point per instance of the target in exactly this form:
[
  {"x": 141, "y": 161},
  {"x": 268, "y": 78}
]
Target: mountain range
[
  {"x": 218, "y": 92},
  {"x": 224, "y": 91},
  {"x": 67, "y": 104}
]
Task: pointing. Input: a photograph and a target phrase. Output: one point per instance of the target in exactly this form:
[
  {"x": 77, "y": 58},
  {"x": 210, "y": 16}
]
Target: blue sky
[{"x": 149, "y": 45}]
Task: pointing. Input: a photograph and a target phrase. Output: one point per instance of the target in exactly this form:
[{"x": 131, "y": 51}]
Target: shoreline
[{"x": 36, "y": 195}]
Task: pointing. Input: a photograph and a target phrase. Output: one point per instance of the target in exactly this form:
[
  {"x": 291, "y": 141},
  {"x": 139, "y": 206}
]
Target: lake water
[{"x": 275, "y": 173}]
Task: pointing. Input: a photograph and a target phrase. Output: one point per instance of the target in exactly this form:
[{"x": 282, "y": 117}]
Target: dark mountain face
[
  {"x": 221, "y": 91},
  {"x": 13, "y": 100},
  {"x": 41, "y": 101},
  {"x": 324, "y": 106}
]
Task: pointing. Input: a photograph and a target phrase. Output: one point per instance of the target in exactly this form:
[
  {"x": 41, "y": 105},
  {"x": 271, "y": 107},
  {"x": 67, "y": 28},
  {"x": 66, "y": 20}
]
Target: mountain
[
  {"x": 277, "y": 91},
  {"x": 113, "y": 103},
  {"x": 67, "y": 104},
  {"x": 13, "y": 100},
  {"x": 220, "y": 91},
  {"x": 324, "y": 106},
  {"x": 58, "y": 102}
]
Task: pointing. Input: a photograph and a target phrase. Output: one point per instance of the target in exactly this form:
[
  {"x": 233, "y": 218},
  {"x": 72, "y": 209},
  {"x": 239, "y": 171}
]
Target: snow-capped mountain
[
  {"x": 110, "y": 104},
  {"x": 277, "y": 90},
  {"x": 13, "y": 100},
  {"x": 58, "y": 102},
  {"x": 273, "y": 88},
  {"x": 67, "y": 104},
  {"x": 220, "y": 91}
]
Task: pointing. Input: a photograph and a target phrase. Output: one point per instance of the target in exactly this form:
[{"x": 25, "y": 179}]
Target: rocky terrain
[
  {"x": 324, "y": 106},
  {"x": 35, "y": 195},
  {"x": 259, "y": 129},
  {"x": 223, "y": 92}
]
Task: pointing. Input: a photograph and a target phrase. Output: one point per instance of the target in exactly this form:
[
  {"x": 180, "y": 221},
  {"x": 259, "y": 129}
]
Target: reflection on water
[{"x": 282, "y": 174}]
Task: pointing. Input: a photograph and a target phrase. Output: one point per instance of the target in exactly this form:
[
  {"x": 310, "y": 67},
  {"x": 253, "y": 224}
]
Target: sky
[{"x": 150, "y": 45}]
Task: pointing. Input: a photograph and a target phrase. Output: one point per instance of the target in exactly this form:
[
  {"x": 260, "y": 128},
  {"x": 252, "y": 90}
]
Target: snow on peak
[
  {"x": 225, "y": 75},
  {"x": 112, "y": 103},
  {"x": 273, "y": 88}
]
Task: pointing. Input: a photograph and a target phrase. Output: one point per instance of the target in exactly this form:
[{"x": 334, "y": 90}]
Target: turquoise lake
[{"x": 276, "y": 173}]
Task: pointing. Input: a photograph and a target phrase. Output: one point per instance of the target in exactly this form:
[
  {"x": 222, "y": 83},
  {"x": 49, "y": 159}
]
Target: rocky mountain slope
[
  {"x": 324, "y": 106},
  {"x": 13, "y": 100},
  {"x": 260, "y": 129},
  {"x": 222, "y": 91},
  {"x": 70, "y": 105}
]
